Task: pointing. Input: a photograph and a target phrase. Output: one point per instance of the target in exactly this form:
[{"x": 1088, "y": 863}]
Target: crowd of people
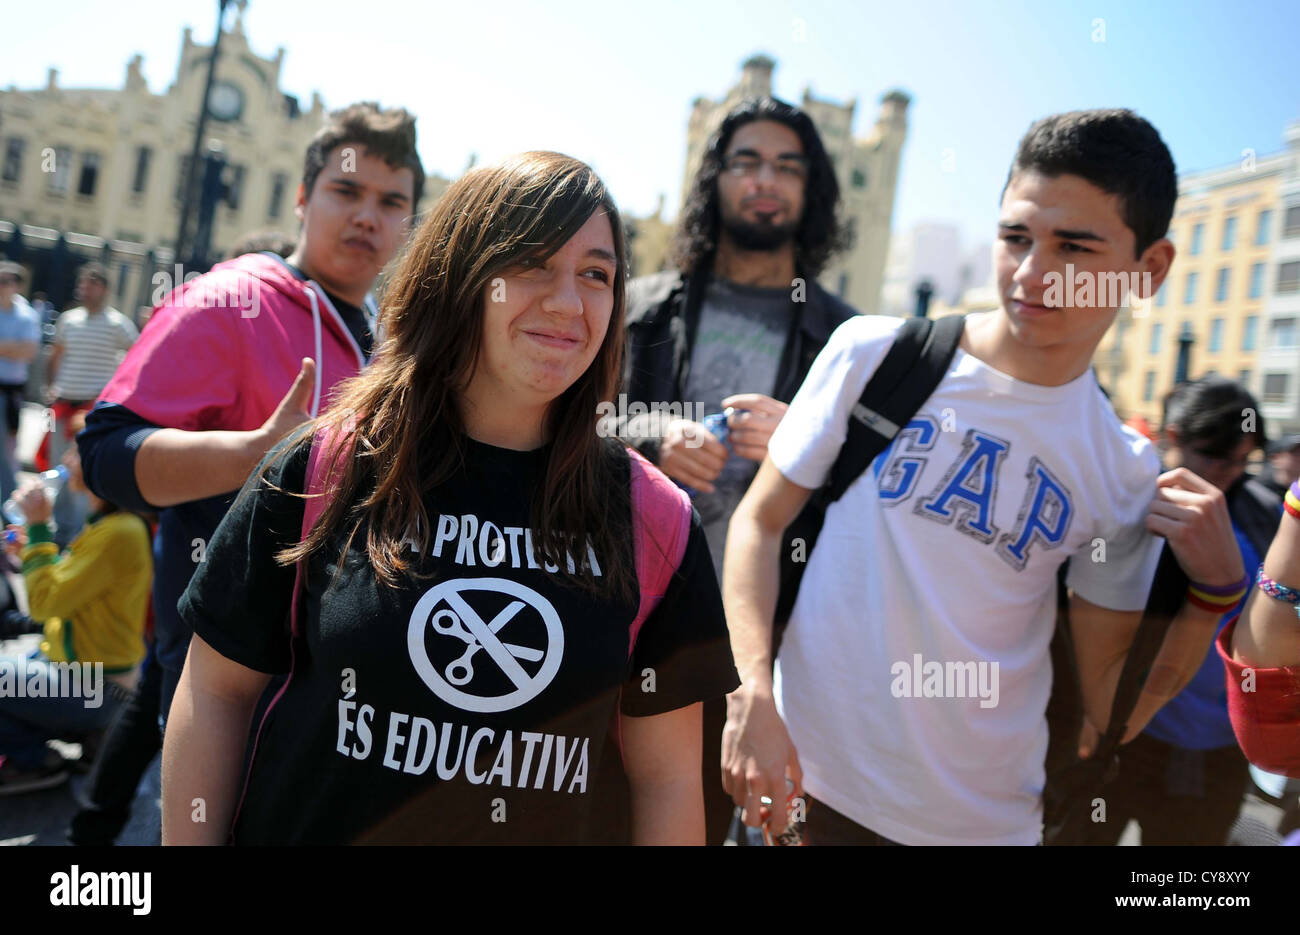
[{"x": 406, "y": 587}]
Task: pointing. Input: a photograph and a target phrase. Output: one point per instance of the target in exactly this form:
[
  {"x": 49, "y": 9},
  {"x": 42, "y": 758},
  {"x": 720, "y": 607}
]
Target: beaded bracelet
[
  {"x": 1291, "y": 502},
  {"x": 1279, "y": 592}
]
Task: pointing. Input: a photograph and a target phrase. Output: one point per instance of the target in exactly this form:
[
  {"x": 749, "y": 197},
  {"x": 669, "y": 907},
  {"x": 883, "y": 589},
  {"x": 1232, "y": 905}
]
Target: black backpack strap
[
  {"x": 1167, "y": 590},
  {"x": 906, "y": 378}
]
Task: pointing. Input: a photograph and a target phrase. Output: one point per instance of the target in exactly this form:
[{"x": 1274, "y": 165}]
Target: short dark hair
[
  {"x": 821, "y": 234},
  {"x": 1210, "y": 414},
  {"x": 388, "y": 134},
  {"x": 1115, "y": 150},
  {"x": 95, "y": 271}
]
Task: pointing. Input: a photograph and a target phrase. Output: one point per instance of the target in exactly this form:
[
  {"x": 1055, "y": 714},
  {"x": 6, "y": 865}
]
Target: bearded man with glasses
[{"x": 734, "y": 327}]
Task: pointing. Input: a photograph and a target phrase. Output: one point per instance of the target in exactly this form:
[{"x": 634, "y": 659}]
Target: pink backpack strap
[
  {"x": 317, "y": 486},
  {"x": 323, "y": 446},
  {"x": 661, "y": 527}
]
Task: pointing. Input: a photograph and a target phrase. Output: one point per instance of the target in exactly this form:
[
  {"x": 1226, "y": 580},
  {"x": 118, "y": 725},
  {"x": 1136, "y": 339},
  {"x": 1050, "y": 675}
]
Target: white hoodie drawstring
[{"x": 315, "y": 319}]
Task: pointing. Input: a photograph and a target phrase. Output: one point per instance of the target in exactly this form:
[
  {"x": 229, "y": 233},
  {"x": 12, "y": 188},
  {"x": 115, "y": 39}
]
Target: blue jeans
[{"x": 27, "y": 722}]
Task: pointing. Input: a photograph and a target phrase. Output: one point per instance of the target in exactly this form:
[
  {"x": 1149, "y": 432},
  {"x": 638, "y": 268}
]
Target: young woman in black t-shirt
[{"x": 467, "y": 645}]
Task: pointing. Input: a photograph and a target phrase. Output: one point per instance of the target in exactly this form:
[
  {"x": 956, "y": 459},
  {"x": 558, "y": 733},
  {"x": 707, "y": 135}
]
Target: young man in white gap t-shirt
[{"x": 907, "y": 704}]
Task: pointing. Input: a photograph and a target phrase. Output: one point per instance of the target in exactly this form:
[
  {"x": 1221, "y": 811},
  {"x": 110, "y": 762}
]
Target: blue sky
[{"x": 612, "y": 82}]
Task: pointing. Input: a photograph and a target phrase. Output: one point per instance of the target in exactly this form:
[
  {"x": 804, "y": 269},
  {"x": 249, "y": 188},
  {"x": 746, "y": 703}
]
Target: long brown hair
[{"x": 398, "y": 424}]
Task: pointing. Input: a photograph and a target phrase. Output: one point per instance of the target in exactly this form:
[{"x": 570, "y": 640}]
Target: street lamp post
[
  {"x": 211, "y": 191},
  {"x": 924, "y": 292},
  {"x": 192, "y": 177}
]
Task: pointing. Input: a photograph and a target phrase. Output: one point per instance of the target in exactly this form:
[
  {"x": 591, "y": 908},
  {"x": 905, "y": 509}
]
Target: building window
[
  {"x": 859, "y": 178},
  {"x": 1249, "y": 332},
  {"x": 1256, "y": 281},
  {"x": 1198, "y": 232},
  {"x": 279, "y": 182},
  {"x": 1121, "y": 329},
  {"x": 1216, "y": 335},
  {"x": 1221, "y": 285},
  {"x": 1262, "y": 225},
  {"x": 1162, "y": 294},
  {"x": 234, "y": 187},
  {"x": 1157, "y": 331},
  {"x": 1291, "y": 223},
  {"x": 141, "y": 178},
  {"x": 1243, "y": 377},
  {"x": 1229, "y": 233},
  {"x": 61, "y": 171},
  {"x": 1288, "y": 277},
  {"x": 1281, "y": 332},
  {"x": 13, "y": 167},
  {"x": 1149, "y": 386},
  {"x": 1189, "y": 293},
  {"x": 1275, "y": 387},
  {"x": 89, "y": 174}
]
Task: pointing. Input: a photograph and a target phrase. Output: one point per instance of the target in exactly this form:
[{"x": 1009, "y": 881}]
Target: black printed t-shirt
[{"x": 470, "y": 707}]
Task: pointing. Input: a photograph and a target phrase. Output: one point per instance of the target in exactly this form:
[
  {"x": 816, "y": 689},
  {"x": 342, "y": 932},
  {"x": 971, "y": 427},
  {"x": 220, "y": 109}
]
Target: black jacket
[
  {"x": 1256, "y": 510},
  {"x": 663, "y": 313}
]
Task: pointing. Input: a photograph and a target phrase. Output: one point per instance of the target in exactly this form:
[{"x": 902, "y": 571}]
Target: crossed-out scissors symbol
[
  {"x": 449, "y": 623},
  {"x": 461, "y": 621}
]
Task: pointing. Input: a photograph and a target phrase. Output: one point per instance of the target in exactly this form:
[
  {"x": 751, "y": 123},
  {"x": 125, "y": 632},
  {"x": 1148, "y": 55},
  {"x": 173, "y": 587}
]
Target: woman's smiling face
[{"x": 544, "y": 321}]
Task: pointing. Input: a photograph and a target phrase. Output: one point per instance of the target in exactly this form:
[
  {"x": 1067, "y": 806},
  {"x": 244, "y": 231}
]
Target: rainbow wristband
[
  {"x": 1217, "y": 599},
  {"x": 1291, "y": 502},
  {"x": 1279, "y": 592},
  {"x": 1222, "y": 590}
]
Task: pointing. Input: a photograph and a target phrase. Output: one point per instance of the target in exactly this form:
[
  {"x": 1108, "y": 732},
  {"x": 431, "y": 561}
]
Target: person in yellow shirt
[{"x": 90, "y": 601}]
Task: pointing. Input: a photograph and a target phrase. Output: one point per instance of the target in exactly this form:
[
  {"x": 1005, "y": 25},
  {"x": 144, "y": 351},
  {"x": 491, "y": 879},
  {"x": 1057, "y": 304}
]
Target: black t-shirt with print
[{"x": 472, "y": 706}]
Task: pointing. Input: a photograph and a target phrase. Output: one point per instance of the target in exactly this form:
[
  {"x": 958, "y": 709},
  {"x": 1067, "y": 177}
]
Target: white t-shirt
[
  {"x": 93, "y": 346},
  {"x": 945, "y": 553}
]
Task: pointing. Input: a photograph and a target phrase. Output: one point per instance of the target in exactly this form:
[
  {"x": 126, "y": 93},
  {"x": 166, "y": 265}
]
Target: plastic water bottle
[
  {"x": 716, "y": 423},
  {"x": 53, "y": 482}
]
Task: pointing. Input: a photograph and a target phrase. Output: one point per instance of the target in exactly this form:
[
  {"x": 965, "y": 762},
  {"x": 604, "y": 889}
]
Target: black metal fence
[{"x": 52, "y": 259}]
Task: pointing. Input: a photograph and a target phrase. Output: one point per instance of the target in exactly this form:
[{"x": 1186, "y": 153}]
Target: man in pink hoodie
[{"x": 234, "y": 359}]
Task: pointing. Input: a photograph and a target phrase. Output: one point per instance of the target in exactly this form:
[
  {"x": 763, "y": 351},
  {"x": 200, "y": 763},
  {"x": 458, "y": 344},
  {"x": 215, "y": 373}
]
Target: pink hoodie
[{"x": 222, "y": 350}]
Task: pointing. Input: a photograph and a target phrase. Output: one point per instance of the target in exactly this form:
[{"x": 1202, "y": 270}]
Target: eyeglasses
[{"x": 744, "y": 165}]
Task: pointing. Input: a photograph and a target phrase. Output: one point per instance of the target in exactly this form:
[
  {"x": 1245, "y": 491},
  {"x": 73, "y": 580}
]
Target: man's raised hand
[
  {"x": 294, "y": 408},
  {"x": 1192, "y": 515}
]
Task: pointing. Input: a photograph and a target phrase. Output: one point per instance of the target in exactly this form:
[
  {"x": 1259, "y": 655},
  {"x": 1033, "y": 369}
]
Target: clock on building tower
[{"x": 226, "y": 101}]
